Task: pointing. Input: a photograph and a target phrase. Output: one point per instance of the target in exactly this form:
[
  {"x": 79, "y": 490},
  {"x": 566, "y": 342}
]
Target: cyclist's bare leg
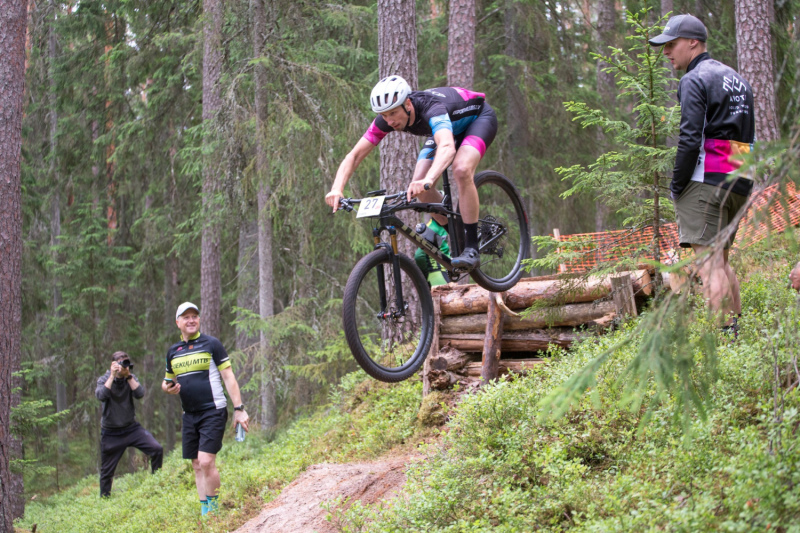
[
  {"x": 431, "y": 196},
  {"x": 464, "y": 165}
]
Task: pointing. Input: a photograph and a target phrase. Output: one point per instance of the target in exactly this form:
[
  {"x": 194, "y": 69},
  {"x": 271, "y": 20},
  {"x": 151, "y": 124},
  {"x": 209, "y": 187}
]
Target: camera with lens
[{"x": 126, "y": 363}]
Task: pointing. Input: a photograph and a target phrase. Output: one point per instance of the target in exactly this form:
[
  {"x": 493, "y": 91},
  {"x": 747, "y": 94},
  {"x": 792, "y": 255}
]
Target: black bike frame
[{"x": 389, "y": 222}]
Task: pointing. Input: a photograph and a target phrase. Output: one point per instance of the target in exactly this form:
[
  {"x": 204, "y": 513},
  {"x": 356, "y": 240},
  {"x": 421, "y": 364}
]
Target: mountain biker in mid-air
[{"x": 460, "y": 126}]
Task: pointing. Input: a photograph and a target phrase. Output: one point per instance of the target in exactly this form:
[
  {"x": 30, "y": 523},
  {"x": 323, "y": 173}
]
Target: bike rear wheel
[
  {"x": 502, "y": 231},
  {"x": 389, "y": 343}
]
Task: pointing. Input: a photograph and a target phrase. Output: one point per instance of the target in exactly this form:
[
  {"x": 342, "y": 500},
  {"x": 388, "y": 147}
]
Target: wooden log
[
  {"x": 518, "y": 366},
  {"x": 471, "y": 299},
  {"x": 519, "y": 341},
  {"x": 492, "y": 338},
  {"x": 444, "y": 370},
  {"x": 622, "y": 293},
  {"x": 564, "y": 315},
  {"x": 450, "y": 359},
  {"x": 470, "y": 374},
  {"x": 433, "y": 353}
]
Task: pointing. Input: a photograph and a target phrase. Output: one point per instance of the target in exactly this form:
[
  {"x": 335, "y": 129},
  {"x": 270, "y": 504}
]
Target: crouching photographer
[{"x": 117, "y": 389}]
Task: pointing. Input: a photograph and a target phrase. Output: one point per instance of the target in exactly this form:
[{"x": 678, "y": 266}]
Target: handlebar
[{"x": 349, "y": 203}]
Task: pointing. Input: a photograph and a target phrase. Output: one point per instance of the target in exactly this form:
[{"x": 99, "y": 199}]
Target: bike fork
[{"x": 398, "y": 285}]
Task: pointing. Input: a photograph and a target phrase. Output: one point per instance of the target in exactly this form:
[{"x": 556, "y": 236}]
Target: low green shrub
[{"x": 252, "y": 472}]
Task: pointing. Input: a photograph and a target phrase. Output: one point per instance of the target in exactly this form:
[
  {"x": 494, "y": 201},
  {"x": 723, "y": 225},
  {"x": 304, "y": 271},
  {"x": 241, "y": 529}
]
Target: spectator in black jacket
[
  {"x": 116, "y": 389},
  {"x": 717, "y": 125}
]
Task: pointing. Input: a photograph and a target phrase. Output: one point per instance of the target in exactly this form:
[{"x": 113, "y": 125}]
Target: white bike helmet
[{"x": 389, "y": 93}]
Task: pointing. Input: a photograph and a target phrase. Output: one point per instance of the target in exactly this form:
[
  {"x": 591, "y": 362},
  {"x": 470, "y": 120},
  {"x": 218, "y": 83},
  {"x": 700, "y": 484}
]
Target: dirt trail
[{"x": 297, "y": 509}]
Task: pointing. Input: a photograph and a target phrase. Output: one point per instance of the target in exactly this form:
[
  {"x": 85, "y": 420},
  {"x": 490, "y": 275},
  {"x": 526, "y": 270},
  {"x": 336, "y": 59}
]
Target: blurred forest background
[{"x": 174, "y": 152}]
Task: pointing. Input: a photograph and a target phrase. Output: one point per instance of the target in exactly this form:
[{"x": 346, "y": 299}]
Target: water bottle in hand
[{"x": 239, "y": 432}]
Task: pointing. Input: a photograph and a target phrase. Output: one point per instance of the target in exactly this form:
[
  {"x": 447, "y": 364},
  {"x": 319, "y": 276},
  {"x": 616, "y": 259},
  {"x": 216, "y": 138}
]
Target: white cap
[{"x": 183, "y": 307}]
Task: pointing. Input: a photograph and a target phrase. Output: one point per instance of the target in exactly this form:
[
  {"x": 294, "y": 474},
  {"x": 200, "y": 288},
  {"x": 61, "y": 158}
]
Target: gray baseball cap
[
  {"x": 681, "y": 26},
  {"x": 185, "y": 306}
]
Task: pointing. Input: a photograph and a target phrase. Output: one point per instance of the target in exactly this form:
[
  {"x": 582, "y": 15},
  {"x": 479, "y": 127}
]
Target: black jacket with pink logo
[{"x": 717, "y": 124}]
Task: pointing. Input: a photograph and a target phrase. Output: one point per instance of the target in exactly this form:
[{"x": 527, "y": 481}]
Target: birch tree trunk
[
  {"x": 13, "y": 22},
  {"x": 754, "y": 54},
  {"x": 210, "y": 282},
  {"x": 461, "y": 44},
  {"x": 266, "y": 291}
]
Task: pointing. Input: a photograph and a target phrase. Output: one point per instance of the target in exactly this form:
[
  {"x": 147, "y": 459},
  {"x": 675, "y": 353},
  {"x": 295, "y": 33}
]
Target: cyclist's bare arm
[
  {"x": 349, "y": 165},
  {"x": 445, "y": 153}
]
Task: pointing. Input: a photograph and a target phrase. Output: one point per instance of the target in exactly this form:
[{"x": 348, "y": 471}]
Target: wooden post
[
  {"x": 434, "y": 350},
  {"x": 557, "y": 236},
  {"x": 493, "y": 338},
  {"x": 622, "y": 292}
]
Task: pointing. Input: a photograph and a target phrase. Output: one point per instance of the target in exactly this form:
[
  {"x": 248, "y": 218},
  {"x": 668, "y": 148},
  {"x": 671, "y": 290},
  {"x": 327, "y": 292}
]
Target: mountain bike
[{"x": 387, "y": 308}]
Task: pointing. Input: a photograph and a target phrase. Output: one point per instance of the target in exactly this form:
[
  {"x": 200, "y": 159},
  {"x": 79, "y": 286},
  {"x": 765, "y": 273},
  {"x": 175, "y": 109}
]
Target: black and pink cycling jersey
[{"x": 465, "y": 113}]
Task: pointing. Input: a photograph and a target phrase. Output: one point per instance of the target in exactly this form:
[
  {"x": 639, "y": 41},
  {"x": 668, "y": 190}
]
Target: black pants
[{"x": 113, "y": 444}]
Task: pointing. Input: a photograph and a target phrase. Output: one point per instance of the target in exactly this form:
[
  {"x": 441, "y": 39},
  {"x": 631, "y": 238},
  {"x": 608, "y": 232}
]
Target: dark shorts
[
  {"x": 479, "y": 134},
  {"x": 703, "y": 210},
  {"x": 203, "y": 432}
]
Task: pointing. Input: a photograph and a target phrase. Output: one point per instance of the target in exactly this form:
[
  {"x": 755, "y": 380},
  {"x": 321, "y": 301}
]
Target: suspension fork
[
  {"x": 398, "y": 285},
  {"x": 376, "y": 235}
]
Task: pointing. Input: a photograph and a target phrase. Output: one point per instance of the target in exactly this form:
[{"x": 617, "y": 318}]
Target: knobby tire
[
  {"x": 501, "y": 260},
  {"x": 372, "y": 340}
]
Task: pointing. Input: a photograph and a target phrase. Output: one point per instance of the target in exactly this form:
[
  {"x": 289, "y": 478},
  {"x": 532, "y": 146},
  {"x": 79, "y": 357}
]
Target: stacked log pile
[{"x": 474, "y": 327}]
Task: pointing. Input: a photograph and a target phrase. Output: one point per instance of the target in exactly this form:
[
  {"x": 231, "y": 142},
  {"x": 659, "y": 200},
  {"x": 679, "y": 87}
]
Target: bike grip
[{"x": 427, "y": 186}]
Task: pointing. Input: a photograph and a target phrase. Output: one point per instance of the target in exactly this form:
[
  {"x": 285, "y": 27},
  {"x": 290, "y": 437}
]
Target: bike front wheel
[
  {"x": 389, "y": 340},
  {"x": 502, "y": 232}
]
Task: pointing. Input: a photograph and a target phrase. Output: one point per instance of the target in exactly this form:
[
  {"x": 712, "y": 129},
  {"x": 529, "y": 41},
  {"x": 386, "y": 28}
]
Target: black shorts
[
  {"x": 203, "y": 431},
  {"x": 479, "y": 134}
]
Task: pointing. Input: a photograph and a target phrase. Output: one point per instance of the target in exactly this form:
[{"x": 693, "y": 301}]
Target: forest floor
[{"x": 301, "y": 506}]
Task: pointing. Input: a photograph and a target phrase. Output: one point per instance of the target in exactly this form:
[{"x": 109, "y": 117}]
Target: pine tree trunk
[
  {"x": 606, "y": 24},
  {"x": 12, "y": 83},
  {"x": 269, "y": 410},
  {"x": 606, "y": 86},
  {"x": 170, "y": 305},
  {"x": 171, "y": 285},
  {"x": 397, "y": 54},
  {"x": 461, "y": 44},
  {"x": 55, "y": 225},
  {"x": 247, "y": 277},
  {"x": 754, "y": 53},
  {"x": 210, "y": 280}
]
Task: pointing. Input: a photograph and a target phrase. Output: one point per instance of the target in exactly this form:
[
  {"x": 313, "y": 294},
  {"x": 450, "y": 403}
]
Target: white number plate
[{"x": 370, "y": 207}]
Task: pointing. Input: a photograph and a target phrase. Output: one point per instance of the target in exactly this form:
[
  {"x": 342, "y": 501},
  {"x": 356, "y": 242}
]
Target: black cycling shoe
[{"x": 469, "y": 259}]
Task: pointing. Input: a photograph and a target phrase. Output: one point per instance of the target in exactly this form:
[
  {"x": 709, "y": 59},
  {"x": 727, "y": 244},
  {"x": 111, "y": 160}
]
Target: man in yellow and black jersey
[{"x": 197, "y": 366}]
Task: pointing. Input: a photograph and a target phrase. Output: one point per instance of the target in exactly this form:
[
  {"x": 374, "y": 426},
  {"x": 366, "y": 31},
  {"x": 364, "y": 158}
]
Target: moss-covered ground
[{"x": 492, "y": 464}]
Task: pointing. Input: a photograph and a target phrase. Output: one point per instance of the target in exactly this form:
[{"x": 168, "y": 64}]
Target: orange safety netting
[{"x": 594, "y": 248}]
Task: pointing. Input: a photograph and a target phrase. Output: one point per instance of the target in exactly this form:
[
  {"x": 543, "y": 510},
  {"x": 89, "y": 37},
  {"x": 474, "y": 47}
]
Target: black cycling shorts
[
  {"x": 479, "y": 134},
  {"x": 203, "y": 431}
]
